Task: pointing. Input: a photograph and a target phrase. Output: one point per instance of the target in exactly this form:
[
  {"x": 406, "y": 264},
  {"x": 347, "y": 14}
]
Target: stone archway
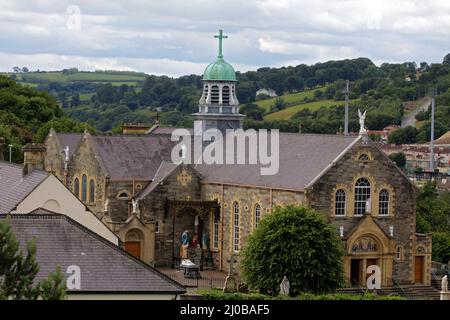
[{"x": 367, "y": 244}]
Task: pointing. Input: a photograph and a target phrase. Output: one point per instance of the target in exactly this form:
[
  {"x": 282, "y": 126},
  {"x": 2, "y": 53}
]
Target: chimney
[
  {"x": 2, "y": 144},
  {"x": 135, "y": 128},
  {"x": 33, "y": 157}
]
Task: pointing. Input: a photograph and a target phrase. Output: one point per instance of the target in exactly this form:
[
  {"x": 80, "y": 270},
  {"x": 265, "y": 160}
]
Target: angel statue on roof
[{"x": 362, "y": 118}]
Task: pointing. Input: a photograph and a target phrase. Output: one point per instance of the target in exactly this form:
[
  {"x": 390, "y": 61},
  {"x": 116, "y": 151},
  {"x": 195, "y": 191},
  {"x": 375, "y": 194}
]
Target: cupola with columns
[{"x": 218, "y": 105}]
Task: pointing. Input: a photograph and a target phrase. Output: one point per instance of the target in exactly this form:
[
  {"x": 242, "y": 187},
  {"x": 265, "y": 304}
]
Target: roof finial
[{"x": 220, "y": 36}]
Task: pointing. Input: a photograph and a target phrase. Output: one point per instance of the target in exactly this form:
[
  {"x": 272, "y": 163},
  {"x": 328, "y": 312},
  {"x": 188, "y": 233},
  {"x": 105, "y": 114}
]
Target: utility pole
[
  {"x": 433, "y": 98},
  {"x": 346, "y": 109}
]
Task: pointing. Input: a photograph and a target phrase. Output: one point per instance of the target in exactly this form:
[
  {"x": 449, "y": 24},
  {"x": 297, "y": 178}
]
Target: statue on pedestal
[{"x": 184, "y": 244}]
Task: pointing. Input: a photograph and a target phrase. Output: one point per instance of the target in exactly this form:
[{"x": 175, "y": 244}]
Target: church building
[{"x": 130, "y": 182}]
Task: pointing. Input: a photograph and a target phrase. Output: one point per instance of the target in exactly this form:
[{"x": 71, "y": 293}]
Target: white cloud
[{"x": 176, "y": 36}]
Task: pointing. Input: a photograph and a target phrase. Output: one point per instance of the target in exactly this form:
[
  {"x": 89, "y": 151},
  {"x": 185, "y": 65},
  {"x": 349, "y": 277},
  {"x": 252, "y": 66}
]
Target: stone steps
[{"x": 411, "y": 292}]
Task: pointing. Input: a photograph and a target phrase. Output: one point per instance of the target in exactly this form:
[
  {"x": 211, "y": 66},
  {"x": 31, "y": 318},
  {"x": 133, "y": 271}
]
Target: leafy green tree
[
  {"x": 399, "y": 159},
  {"x": 446, "y": 59},
  {"x": 62, "y": 125},
  {"x": 278, "y": 105},
  {"x": 403, "y": 135},
  {"x": 441, "y": 247},
  {"x": 253, "y": 111},
  {"x": 298, "y": 243},
  {"x": 18, "y": 272}
]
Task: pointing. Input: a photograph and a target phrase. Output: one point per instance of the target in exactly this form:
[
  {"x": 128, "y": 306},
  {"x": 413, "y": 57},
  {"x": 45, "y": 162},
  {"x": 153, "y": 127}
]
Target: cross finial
[{"x": 220, "y": 36}]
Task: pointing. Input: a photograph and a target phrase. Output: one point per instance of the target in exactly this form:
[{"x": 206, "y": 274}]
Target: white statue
[
  {"x": 362, "y": 117},
  {"x": 66, "y": 154},
  {"x": 341, "y": 231},
  {"x": 284, "y": 286},
  {"x": 444, "y": 284},
  {"x": 134, "y": 203},
  {"x": 106, "y": 205}
]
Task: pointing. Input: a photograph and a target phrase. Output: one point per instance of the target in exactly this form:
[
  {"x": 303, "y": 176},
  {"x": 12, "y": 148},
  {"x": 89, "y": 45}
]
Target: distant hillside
[{"x": 308, "y": 96}]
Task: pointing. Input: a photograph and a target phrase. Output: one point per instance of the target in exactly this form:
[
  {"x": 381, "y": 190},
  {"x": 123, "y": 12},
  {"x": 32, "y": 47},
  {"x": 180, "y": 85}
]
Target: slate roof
[
  {"x": 165, "y": 169},
  {"x": 303, "y": 157},
  {"x": 104, "y": 266},
  {"x": 72, "y": 140},
  {"x": 132, "y": 156},
  {"x": 14, "y": 187}
]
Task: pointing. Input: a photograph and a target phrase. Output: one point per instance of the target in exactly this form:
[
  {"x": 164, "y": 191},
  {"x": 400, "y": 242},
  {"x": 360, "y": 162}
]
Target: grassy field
[
  {"x": 291, "y": 98},
  {"x": 287, "y": 113},
  {"x": 114, "y": 77},
  {"x": 86, "y": 96}
]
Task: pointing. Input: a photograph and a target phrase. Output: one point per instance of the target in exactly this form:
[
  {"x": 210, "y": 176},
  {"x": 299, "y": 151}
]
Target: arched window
[
  {"x": 236, "y": 227},
  {"x": 362, "y": 196},
  {"x": 215, "y": 94},
  {"x": 384, "y": 203},
  {"x": 124, "y": 195},
  {"x": 91, "y": 191},
  {"x": 84, "y": 188},
  {"x": 257, "y": 215},
  {"x": 363, "y": 157},
  {"x": 226, "y": 95},
  {"x": 76, "y": 187},
  {"x": 340, "y": 202}
]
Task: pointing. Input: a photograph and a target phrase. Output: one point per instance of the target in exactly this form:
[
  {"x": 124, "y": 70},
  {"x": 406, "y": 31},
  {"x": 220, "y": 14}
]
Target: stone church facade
[{"x": 130, "y": 182}]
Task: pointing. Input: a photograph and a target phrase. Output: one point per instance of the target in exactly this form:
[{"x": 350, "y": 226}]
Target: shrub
[{"x": 298, "y": 243}]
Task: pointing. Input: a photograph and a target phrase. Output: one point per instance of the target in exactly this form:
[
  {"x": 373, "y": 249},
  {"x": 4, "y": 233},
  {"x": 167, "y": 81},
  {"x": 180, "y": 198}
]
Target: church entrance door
[
  {"x": 418, "y": 269},
  {"x": 355, "y": 272},
  {"x": 133, "y": 248}
]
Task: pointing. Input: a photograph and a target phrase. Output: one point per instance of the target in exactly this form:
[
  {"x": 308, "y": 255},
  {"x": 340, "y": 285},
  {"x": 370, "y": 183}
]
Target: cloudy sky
[{"x": 175, "y": 37}]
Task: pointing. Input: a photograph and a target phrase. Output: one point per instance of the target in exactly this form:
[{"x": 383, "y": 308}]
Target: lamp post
[{"x": 10, "y": 152}]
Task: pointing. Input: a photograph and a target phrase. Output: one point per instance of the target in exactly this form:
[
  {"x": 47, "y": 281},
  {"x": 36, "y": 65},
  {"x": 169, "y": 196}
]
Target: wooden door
[
  {"x": 355, "y": 272},
  {"x": 418, "y": 270},
  {"x": 133, "y": 248}
]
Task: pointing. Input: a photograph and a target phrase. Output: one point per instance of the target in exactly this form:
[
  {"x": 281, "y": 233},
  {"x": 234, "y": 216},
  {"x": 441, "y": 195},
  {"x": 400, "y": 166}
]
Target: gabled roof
[
  {"x": 302, "y": 158},
  {"x": 165, "y": 169},
  {"x": 104, "y": 267},
  {"x": 14, "y": 187},
  {"x": 132, "y": 156}
]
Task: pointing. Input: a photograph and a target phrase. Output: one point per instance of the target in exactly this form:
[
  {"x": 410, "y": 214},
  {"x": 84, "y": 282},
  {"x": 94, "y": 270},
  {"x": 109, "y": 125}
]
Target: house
[{"x": 94, "y": 268}]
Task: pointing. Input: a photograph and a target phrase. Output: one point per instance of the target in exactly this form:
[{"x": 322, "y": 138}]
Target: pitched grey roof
[
  {"x": 133, "y": 156},
  {"x": 167, "y": 130},
  {"x": 104, "y": 267},
  {"x": 165, "y": 169},
  {"x": 303, "y": 157},
  {"x": 72, "y": 140},
  {"x": 14, "y": 187}
]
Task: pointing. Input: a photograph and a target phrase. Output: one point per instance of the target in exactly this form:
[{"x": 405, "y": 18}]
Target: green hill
[
  {"x": 291, "y": 98},
  {"x": 286, "y": 114},
  {"x": 114, "y": 77}
]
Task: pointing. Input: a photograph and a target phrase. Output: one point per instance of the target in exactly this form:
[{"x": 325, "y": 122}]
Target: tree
[
  {"x": 278, "y": 105},
  {"x": 441, "y": 247},
  {"x": 298, "y": 243},
  {"x": 253, "y": 111},
  {"x": 446, "y": 59},
  {"x": 18, "y": 272},
  {"x": 403, "y": 135},
  {"x": 399, "y": 159}
]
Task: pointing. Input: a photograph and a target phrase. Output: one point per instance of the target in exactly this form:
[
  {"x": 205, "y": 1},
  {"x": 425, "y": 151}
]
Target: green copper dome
[{"x": 219, "y": 70}]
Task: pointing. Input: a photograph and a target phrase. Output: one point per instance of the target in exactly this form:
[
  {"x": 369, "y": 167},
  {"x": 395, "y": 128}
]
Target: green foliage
[
  {"x": 278, "y": 105},
  {"x": 253, "y": 111},
  {"x": 62, "y": 125},
  {"x": 298, "y": 243},
  {"x": 433, "y": 215},
  {"x": 441, "y": 247},
  {"x": 403, "y": 136},
  {"x": 399, "y": 159},
  {"x": 219, "y": 295},
  {"x": 18, "y": 272}
]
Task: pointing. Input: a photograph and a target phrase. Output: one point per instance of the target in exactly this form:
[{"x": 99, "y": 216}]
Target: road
[{"x": 410, "y": 119}]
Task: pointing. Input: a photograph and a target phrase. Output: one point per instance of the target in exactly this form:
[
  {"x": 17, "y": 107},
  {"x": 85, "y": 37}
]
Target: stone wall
[{"x": 382, "y": 174}]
